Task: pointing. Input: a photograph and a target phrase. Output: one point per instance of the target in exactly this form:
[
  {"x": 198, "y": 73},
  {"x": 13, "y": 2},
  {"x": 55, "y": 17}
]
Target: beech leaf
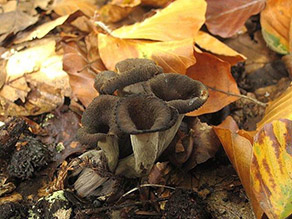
[
  {"x": 65, "y": 7},
  {"x": 174, "y": 56},
  {"x": 179, "y": 20},
  {"x": 276, "y": 23},
  {"x": 214, "y": 73},
  {"x": 271, "y": 172},
  {"x": 225, "y": 18}
]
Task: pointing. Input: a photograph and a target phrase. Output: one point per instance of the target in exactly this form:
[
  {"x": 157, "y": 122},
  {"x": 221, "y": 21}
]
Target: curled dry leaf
[
  {"x": 65, "y": 7},
  {"x": 276, "y": 21},
  {"x": 179, "y": 20},
  {"x": 174, "y": 56},
  {"x": 215, "y": 46},
  {"x": 225, "y": 18},
  {"x": 41, "y": 30},
  {"x": 156, "y": 3},
  {"x": 215, "y": 73},
  {"x": 278, "y": 108},
  {"x": 76, "y": 65},
  {"x": 271, "y": 175},
  {"x": 239, "y": 152},
  {"x": 36, "y": 82},
  {"x": 116, "y": 10}
]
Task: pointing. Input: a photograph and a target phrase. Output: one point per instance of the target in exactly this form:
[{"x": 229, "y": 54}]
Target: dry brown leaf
[
  {"x": 14, "y": 21},
  {"x": 65, "y": 7},
  {"x": 276, "y": 20},
  {"x": 179, "y": 20},
  {"x": 174, "y": 56},
  {"x": 156, "y": 3},
  {"x": 214, "y": 73},
  {"x": 239, "y": 152},
  {"x": 76, "y": 65},
  {"x": 215, "y": 46},
  {"x": 35, "y": 80},
  {"x": 40, "y": 31},
  {"x": 225, "y": 18},
  {"x": 116, "y": 10},
  {"x": 256, "y": 51}
]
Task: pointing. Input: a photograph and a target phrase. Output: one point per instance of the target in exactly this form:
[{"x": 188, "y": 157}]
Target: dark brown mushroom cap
[
  {"x": 180, "y": 91},
  {"x": 101, "y": 78},
  {"x": 131, "y": 71},
  {"x": 97, "y": 120},
  {"x": 137, "y": 114}
]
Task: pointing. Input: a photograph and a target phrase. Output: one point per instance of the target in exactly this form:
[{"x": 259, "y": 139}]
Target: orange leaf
[
  {"x": 225, "y": 18},
  {"x": 239, "y": 152},
  {"x": 75, "y": 64},
  {"x": 271, "y": 175},
  {"x": 179, "y": 20},
  {"x": 214, "y": 73},
  {"x": 278, "y": 108},
  {"x": 64, "y": 7},
  {"x": 215, "y": 46},
  {"x": 174, "y": 56},
  {"x": 277, "y": 25},
  {"x": 116, "y": 10}
]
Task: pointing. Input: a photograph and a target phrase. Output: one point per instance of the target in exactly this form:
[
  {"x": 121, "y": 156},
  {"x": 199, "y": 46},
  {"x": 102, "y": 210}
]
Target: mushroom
[
  {"x": 130, "y": 71},
  {"x": 99, "y": 128},
  {"x": 145, "y": 118},
  {"x": 179, "y": 91}
]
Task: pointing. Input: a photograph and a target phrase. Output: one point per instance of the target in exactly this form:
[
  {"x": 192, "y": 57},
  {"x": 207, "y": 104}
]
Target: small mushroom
[
  {"x": 179, "y": 91},
  {"x": 99, "y": 128},
  {"x": 130, "y": 71},
  {"x": 145, "y": 118}
]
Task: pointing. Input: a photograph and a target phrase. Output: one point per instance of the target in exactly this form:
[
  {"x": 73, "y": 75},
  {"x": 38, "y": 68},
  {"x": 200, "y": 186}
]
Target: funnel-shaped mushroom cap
[
  {"x": 131, "y": 71},
  {"x": 102, "y": 78},
  {"x": 138, "y": 114},
  {"x": 97, "y": 120},
  {"x": 180, "y": 91}
]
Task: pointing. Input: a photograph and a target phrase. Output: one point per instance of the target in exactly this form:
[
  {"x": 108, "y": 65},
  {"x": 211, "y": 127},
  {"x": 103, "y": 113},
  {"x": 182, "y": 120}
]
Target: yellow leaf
[
  {"x": 215, "y": 46},
  {"x": 271, "y": 168},
  {"x": 174, "y": 56},
  {"x": 276, "y": 22},
  {"x": 180, "y": 20},
  {"x": 64, "y": 7},
  {"x": 278, "y": 109}
]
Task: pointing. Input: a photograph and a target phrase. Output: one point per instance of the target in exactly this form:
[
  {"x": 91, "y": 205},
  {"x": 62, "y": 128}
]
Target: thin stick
[
  {"x": 146, "y": 185},
  {"x": 240, "y": 95}
]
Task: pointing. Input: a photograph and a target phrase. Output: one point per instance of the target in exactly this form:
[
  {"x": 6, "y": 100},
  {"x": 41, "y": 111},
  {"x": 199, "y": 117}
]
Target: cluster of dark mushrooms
[{"x": 137, "y": 114}]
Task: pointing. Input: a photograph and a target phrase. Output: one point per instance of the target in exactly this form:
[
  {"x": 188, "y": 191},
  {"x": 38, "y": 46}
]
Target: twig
[
  {"x": 241, "y": 96},
  {"x": 146, "y": 185},
  {"x": 98, "y": 210}
]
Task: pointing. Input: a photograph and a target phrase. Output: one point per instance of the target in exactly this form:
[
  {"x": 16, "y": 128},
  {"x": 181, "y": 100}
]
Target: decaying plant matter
[{"x": 148, "y": 110}]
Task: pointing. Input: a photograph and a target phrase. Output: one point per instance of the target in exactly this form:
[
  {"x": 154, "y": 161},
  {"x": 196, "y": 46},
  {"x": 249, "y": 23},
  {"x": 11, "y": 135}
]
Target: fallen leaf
[
  {"x": 179, "y": 20},
  {"x": 239, "y": 152},
  {"x": 215, "y": 46},
  {"x": 40, "y": 31},
  {"x": 271, "y": 175},
  {"x": 276, "y": 25},
  {"x": 15, "y": 21},
  {"x": 76, "y": 65},
  {"x": 155, "y": 3},
  {"x": 174, "y": 56},
  {"x": 279, "y": 108},
  {"x": 214, "y": 73},
  {"x": 35, "y": 80},
  {"x": 116, "y": 10},
  {"x": 225, "y": 18},
  {"x": 255, "y": 50},
  {"x": 65, "y": 7}
]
